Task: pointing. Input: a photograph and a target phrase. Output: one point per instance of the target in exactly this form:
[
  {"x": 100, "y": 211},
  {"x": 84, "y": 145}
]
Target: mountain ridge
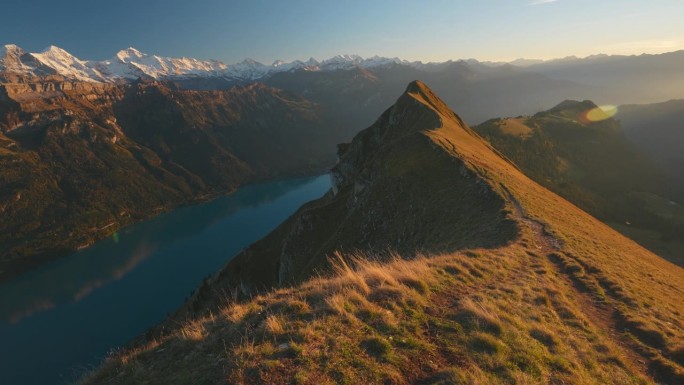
[
  {"x": 585, "y": 155},
  {"x": 558, "y": 297},
  {"x": 130, "y": 64}
]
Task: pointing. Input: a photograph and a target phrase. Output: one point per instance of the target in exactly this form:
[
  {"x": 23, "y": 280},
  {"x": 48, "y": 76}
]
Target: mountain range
[
  {"x": 131, "y": 64},
  {"x": 119, "y": 140},
  {"x": 605, "y": 79}
]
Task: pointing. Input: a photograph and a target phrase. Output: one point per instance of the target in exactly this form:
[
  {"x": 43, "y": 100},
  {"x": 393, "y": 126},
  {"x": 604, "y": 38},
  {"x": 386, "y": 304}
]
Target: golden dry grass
[
  {"x": 515, "y": 127},
  {"x": 499, "y": 316}
]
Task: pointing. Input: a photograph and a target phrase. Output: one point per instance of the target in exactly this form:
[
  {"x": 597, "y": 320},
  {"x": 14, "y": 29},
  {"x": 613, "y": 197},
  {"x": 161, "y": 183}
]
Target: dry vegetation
[
  {"x": 569, "y": 301},
  {"x": 532, "y": 312},
  {"x": 484, "y": 316}
]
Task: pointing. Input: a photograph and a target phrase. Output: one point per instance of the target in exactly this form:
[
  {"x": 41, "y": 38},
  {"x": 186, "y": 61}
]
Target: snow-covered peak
[
  {"x": 130, "y": 63},
  {"x": 10, "y": 48},
  {"x": 250, "y": 62},
  {"x": 56, "y": 57},
  {"x": 344, "y": 58},
  {"x": 341, "y": 62},
  {"x": 128, "y": 54},
  {"x": 248, "y": 69},
  {"x": 55, "y": 60},
  {"x": 283, "y": 66},
  {"x": 377, "y": 61},
  {"x": 53, "y": 50},
  {"x": 10, "y": 59}
]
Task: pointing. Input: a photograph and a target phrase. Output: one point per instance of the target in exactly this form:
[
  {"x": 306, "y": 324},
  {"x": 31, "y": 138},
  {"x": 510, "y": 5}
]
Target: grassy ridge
[
  {"x": 566, "y": 300},
  {"x": 592, "y": 164}
]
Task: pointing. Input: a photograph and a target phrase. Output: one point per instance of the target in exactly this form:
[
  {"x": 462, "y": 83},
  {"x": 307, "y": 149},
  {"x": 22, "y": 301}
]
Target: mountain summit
[
  {"x": 433, "y": 260},
  {"x": 380, "y": 183}
]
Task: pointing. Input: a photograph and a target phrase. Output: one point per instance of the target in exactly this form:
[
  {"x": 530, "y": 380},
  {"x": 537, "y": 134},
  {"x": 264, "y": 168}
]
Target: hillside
[
  {"x": 79, "y": 160},
  {"x": 433, "y": 260},
  {"x": 577, "y": 151}
]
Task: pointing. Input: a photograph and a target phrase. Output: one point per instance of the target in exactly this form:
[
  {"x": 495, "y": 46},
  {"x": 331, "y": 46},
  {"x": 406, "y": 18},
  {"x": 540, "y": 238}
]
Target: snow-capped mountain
[
  {"x": 10, "y": 59},
  {"x": 131, "y": 64},
  {"x": 62, "y": 63}
]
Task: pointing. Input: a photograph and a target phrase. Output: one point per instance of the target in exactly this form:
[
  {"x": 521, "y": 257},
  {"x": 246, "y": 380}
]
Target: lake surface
[{"x": 62, "y": 319}]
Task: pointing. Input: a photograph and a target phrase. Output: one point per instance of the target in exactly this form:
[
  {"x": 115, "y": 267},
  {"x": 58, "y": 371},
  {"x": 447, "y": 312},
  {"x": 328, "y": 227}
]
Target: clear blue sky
[{"x": 298, "y": 29}]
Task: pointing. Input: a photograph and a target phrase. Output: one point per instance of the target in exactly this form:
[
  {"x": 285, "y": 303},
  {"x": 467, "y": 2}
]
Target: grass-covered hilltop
[
  {"x": 432, "y": 260},
  {"x": 580, "y": 152}
]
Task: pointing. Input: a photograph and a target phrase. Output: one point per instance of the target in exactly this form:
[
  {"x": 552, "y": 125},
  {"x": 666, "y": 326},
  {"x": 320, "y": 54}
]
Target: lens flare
[{"x": 599, "y": 113}]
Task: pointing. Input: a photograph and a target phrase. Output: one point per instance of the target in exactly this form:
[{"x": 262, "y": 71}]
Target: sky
[{"x": 266, "y": 30}]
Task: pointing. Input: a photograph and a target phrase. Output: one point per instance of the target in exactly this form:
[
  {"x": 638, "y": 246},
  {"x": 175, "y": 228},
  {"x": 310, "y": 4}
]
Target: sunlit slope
[
  {"x": 578, "y": 151},
  {"x": 561, "y": 298}
]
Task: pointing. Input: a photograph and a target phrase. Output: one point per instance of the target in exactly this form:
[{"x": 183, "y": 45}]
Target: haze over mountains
[{"x": 658, "y": 129}]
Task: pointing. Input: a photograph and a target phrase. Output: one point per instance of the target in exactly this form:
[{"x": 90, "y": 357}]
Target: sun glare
[{"x": 600, "y": 113}]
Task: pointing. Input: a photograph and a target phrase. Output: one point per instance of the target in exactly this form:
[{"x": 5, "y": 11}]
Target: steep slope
[
  {"x": 582, "y": 154},
  {"x": 78, "y": 160},
  {"x": 376, "y": 203},
  {"x": 495, "y": 280}
]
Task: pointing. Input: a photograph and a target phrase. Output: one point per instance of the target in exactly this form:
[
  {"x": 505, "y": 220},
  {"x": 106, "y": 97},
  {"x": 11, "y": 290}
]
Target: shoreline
[{"x": 12, "y": 270}]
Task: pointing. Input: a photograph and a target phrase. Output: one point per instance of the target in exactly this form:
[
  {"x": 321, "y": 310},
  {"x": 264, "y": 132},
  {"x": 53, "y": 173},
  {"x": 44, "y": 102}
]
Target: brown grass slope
[
  {"x": 557, "y": 298},
  {"x": 593, "y": 164}
]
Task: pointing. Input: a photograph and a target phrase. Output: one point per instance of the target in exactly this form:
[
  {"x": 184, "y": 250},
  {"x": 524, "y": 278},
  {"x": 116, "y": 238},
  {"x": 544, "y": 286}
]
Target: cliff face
[{"x": 80, "y": 159}]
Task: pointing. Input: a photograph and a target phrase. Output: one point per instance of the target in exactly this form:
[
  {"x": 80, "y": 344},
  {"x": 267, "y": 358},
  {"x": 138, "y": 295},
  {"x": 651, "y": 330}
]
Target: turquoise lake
[{"x": 62, "y": 319}]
